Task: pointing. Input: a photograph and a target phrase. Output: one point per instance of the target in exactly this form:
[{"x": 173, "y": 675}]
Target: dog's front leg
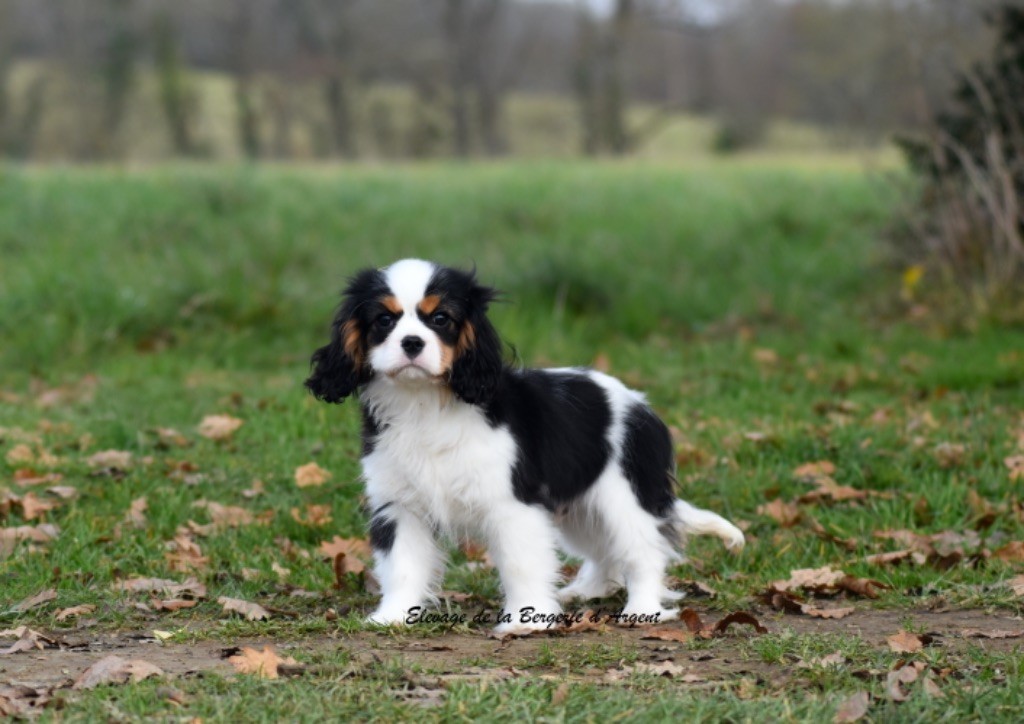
[
  {"x": 407, "y": 562},
  {"x": 521, "y": 540}
]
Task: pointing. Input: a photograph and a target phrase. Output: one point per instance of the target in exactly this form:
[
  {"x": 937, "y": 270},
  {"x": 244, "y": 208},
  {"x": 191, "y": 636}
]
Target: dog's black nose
[{"x": 412, "y": 346}]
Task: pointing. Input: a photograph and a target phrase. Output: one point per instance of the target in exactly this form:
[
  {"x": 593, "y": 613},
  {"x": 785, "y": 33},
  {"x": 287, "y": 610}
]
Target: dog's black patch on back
[
  {"x": 559, "y": 421},
  {"x": 382, "y": 530},
  {"x": 647, "y": 460}
]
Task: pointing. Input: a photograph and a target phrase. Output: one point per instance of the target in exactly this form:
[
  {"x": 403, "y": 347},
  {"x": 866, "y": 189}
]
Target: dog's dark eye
[
  {"x": 386, "y": 321},
  {"x": 440, "y": 319}
]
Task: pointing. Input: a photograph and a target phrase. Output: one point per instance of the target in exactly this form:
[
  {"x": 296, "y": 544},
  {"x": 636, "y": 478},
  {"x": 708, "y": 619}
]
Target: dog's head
[{"x": 412, "y": 323}]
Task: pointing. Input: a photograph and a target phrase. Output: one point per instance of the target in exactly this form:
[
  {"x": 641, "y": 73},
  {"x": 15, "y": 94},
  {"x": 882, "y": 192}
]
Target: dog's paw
[
  {"x": 387, "y": 617},
  {"x": 735, "y": 541}
]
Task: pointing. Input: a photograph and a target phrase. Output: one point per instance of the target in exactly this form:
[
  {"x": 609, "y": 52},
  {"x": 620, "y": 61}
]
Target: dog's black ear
[
  {"x": 339, "y": 368},
  {"x": 478, "y": 365}
]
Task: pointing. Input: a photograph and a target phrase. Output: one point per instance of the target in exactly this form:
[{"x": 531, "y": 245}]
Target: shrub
[{"x": 965, "y": 237}]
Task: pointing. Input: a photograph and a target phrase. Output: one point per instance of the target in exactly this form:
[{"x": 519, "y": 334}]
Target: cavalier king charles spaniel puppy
[{"x": 457, "y": 443}]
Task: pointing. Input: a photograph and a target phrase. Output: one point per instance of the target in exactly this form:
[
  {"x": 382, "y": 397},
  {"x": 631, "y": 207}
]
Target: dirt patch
[{"x": 457, "y": 656}]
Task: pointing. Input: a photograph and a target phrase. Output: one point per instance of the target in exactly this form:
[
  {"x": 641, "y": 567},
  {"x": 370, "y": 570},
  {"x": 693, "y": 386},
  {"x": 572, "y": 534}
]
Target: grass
[{"x": 742, "y": 297}]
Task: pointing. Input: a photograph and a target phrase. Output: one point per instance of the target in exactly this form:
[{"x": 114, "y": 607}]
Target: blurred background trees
[{"x": 391, "y": 79}]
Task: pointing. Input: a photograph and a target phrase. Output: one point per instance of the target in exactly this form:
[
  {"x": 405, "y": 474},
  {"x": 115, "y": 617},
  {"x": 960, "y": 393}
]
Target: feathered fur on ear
[
  {"x": 339, "y": 367},
  {"x": 478, "y": 364}
]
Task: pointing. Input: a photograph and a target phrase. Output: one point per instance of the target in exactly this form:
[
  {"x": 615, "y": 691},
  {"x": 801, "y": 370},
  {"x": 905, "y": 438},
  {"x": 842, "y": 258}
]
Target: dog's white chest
[{"x": 444, "y": 462}]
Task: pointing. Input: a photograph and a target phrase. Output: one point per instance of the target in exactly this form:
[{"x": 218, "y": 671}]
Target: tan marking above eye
[
  {"x": 429, "y": 303},
  {"x": 392, "y": 304}
]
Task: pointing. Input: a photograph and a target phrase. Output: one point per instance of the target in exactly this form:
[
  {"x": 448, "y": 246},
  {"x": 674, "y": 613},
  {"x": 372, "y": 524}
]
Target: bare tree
[
  {"x": 241, "y": 32},
  {"x": 176, "y": 97},
  {"x": 119, "y": 54},
  {"x": 599, "y": 81}
]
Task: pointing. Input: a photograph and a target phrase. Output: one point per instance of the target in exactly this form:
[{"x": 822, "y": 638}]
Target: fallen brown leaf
[
  {"x": 115, "y": 670},
  {"x": 895, "y": 680},
  {"x": 65, "y": 492},
  {"x": 906, "y": 642},
  {"x": 225, "y": 516},
  {"x": 191, "y": 587},
  {"x": 1015, "y": 464},
  {"x": 1011, "y": 552},
  {"x": 827, "y": 613},
  {"x": 173, "y": 604},
  {"x": 184, "y": 554},
  {"x": 10, "y": 537},
  {"x": 742, "y": 618},
  {"x": 315, "y": 515},
  {"x": 219, "y": 427},
  {"x": 1015, "y": 584},
  {"x": 50, "y": 594},
  {"x": 168, "y": 437},
  {"x": 27, "y": 640},
  {"x": 311, "y": 475},
  {"x": 20, "y": 454},
  {"x": 852, "y": 708},
  {"x": 256, "y": 489},
  {"x": 977, "y": 633},
  {"x": 136, "y": 515},
  {"x": 349, "y": 546},
  {"x": 822, "y": 468},
  {"x": 110, "y": 459},
  {"x": 786, "y": 514},
  {"x": 949, "y": 455},
  {"x": 810, "y": 578},
  {"x": 251, "y": 611},
  {"x": 264, "y": 664},
  {"x": 81, "y": 610},
  {"x": 32, "y": 507}
]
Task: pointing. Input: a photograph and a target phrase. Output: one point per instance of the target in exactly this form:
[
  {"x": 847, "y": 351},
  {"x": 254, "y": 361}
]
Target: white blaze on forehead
[{"x": 408, "y": 281}]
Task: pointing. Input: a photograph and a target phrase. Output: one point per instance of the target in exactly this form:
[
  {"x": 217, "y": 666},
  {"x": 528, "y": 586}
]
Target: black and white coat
[{"x": 456, "y": 443}]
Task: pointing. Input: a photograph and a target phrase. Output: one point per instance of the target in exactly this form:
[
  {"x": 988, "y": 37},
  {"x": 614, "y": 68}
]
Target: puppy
[{"x": 457, "y": 443}]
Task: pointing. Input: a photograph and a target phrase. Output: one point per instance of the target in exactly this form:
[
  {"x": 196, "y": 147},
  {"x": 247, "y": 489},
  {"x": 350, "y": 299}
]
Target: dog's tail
[{"x": 696, "y": 521}]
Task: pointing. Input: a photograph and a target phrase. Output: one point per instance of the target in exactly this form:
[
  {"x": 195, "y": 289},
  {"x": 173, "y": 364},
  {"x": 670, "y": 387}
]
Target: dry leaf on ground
[
  {"x": 786, "y": 514},
  {"x": 20, "y": 454},
  {"x": 184, "y": 554},
  {"x": 219, "y": 427},
  {"x": 115, "y": 670},
  {"x": 1015, "y": 464},
  {"x": 315, "y": 515},
  {"x": 225, "y": 516},
  {"x": 191, "y": 587},
  {"x": 251, "y": 611},
  {"x": 136, "y": 515},
  {"x": 821, "y": 468},
  {"x": 172, "y": 604},
  {"x": 27, "y": 640},
  {"x": 977, "y": 633},
  {"x": 853, "y": 708},
  {"x": 110, "y": 459},
  {"x": 66, "y": 613},
  {"x": 311, "y": 475},
  {"x": 906, "y": 642},
  {"x": 265, "y": 664},
  {"x": 50, "y": 594},
  {"x": 33, "y": 507}
]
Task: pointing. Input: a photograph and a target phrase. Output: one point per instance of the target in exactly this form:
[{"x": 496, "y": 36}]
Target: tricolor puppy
[{"x": 457, "y": 443}]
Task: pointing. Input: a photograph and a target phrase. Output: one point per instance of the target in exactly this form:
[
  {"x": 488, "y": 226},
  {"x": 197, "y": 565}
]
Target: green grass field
[{"x": 750, "y": 300}]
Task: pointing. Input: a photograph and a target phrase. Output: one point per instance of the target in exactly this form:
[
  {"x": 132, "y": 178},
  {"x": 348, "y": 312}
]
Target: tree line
[{"x": 108, "y": 79}]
